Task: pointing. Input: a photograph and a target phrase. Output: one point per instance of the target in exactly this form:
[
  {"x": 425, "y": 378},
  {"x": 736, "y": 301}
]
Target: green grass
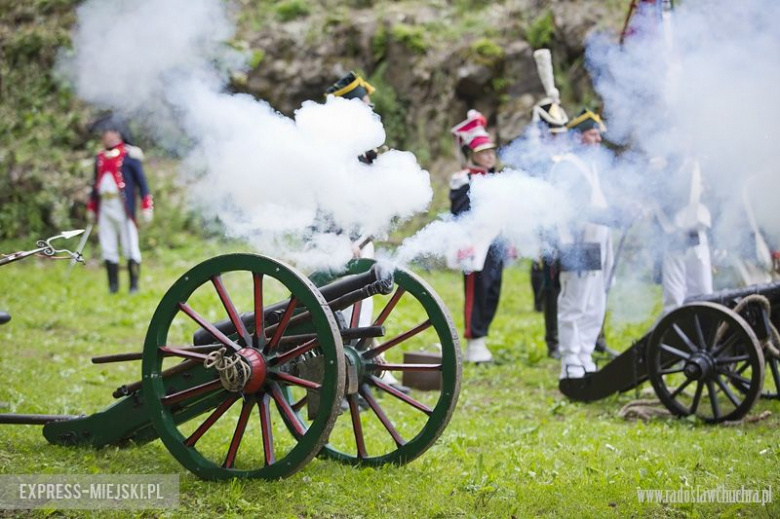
[{"x": 515, "y": 446}]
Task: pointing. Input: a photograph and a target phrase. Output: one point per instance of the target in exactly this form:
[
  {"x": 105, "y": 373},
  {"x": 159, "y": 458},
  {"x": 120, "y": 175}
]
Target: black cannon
[{"x": 705, "y": 358}]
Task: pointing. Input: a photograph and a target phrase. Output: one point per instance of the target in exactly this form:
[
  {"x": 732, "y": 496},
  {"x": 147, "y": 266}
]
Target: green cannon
[{"x": 259, "y": 394}]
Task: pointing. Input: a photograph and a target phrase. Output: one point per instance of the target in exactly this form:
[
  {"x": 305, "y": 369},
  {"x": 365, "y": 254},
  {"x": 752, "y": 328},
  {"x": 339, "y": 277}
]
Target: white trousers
[
  {"x": 582, "y": 306},
  {"x": 115, "y": 229},
  {"x": 686, "y": 273}
]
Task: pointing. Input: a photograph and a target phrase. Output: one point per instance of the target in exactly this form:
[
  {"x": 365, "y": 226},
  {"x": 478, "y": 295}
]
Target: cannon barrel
[
  {"x": 731, "y": 296},
  {"x": 332, "y": 292}
]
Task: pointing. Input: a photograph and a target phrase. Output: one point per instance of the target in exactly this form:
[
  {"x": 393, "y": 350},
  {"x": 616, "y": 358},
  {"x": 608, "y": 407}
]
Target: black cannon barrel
[
  {"x": 34, "y": 419},
  {"x": 731, "y": 296},
  {"x": 331, "y": 292}
]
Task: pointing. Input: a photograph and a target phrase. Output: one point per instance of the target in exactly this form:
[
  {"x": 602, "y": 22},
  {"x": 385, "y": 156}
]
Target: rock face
[{"x": 431, "y": 62}]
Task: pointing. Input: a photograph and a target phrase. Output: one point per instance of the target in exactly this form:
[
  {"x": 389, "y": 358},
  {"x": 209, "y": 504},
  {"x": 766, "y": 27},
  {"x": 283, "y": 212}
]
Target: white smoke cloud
[
  {"x": 703, "y": 86},
  {"x": 293, "y": 187}
]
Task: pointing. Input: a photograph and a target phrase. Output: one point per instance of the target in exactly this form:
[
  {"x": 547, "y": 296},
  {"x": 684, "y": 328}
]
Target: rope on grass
[{"x": 233, "y": 372}]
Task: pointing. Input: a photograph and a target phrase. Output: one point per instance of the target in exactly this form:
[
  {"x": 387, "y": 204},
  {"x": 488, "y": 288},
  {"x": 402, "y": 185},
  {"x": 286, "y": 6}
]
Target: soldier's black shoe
[
  {"x": 113, "y": 276},
  {"x": 134, "y": 268},
  {"x": 4, "y": 317}
]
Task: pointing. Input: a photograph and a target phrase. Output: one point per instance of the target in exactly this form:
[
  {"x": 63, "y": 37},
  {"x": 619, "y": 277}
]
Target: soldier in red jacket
[
  {"x": 119, "y": 179},
  {"x": 483, "y": 268}
]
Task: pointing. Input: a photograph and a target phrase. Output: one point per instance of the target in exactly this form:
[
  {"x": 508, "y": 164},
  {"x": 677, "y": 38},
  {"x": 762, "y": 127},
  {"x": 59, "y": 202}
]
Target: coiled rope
[
  {"x": 772, "y": 341},
  {"x": 233, "y": 372}
]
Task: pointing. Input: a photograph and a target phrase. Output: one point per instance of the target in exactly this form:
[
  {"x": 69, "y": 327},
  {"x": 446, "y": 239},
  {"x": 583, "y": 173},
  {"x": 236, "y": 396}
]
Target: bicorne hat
[{"x": 351, "y": 86}]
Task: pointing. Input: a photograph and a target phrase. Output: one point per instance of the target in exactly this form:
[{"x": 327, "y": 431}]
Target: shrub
[
  {"x": 411, "y": 36},
  {"x": 292, "y": 9},
  {"x": 539, "y": 34},
  {"x": 487, "y": 51}
]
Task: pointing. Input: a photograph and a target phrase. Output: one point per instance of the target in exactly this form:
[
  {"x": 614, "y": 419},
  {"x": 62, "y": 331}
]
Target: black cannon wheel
[
  {"x": 774, "y": 368},
  {"x": 704, "y": 359}
]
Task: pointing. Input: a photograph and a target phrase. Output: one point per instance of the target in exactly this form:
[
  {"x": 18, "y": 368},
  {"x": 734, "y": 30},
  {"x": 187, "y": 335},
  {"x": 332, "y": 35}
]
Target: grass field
[{"x": 514, "y": 448}]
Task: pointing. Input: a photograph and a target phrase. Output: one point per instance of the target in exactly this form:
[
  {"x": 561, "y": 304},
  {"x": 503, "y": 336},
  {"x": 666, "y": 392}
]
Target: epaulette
[
  {"x": 459, "y": 179},
  {"x": 134, "y": 152}
]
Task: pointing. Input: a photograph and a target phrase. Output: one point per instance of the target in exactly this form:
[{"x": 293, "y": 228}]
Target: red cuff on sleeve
[
  {"x": 147, "y": 203},
  {"x": 91, "y": 205},
  {"x": 776, "y": 254}
]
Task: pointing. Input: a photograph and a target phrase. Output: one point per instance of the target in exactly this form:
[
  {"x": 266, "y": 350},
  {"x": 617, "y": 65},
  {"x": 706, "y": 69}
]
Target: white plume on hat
[{"x": 549, "y": 108}]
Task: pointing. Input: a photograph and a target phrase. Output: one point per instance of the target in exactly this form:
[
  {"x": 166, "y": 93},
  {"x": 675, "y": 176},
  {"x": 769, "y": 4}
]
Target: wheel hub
[
  {"x": 699, "y": 366},
  {"x": 257, "y": 370}
]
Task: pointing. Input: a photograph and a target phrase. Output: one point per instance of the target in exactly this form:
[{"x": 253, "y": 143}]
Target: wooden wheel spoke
[
  {"x": 699, "y": 332},
  {"x": 366, "y": 393},
  {"x": 674, "y": 351},
  {"x": 291, "y": 379},
  {"x": 266, "y": 429},
  {"x": 404, "y": 367},
  {"x": 732, "y": 360},
  {"x": 287, "y": 411},
  {"x": 731, "y": 396},
  {"x": 387, "y": 310},
  {"x": 680, "y": 389},
  {"x": 713, "y": 335},
  {"x": 375, "y": 352},
  {"x": 297, "y": 406},
  {"x": 295, "y": 352},
  {"x": 185, "y": 354},
  {"x": 238, "y": 435},
  {"x": 191, "y": 392},
  {"x": 688, "y": 343},
  {"x": 257, "y": 281},
  {"x": 357, "y": 426},
  {"x": 734, "y": 376},
  {"x": 712, "y": 392},
  {"x": 725, "y": 345},
  {"x": 670, "y": 371},
  {"x": 230, "y": 308},
  {"x": 400, "y": 396},
  {"x": 283, "y": 322},
  {"x": 355, "y": 319},
  {"x": 697, "y": 396},
  {"x": 203, "y": 323},
  {"x": 206, "y": 425}
]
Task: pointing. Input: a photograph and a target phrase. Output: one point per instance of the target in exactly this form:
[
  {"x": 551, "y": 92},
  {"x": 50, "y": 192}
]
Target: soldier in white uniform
[
  {"x": 585, "y": 248},
  {"x": 353, "y": 86},
  {"x": 686, "y": 269}
]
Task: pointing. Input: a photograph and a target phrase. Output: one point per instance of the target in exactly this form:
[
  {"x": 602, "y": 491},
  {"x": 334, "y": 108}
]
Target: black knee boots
[
  {"x": 134, "y": 268},
  {"x": 113, "y": 276}
]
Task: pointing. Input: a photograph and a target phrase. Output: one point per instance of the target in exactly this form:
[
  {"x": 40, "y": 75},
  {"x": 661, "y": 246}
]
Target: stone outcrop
[{"x": 438, "y": 59}]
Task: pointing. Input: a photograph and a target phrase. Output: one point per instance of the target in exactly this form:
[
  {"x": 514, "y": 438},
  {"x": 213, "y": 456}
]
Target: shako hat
[
  {"x": 471, "y": 134},
  {"x": 549, "y": 109}
]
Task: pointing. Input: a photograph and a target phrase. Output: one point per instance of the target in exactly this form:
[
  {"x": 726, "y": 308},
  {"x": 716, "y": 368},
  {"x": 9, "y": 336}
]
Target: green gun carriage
[{"x": 260, "y": 393}]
